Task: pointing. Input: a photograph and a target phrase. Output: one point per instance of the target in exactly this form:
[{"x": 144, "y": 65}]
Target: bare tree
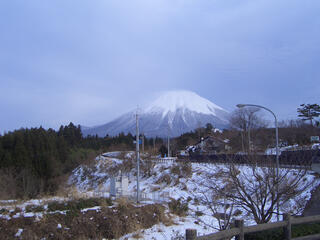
[
  {"x": 254, "y": 190},
  {"x": 211, "y": 192},
  {"x": 246, "y": 120},
  {"x": 249, "y": 190}
]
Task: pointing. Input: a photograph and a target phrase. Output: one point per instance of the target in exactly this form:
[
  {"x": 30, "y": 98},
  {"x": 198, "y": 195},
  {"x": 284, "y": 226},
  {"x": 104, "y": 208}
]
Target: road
[{"x": 313, "y": 206}]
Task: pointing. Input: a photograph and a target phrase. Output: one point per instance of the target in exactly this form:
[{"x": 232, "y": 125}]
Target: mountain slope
[{"x": 175, "y": 112}]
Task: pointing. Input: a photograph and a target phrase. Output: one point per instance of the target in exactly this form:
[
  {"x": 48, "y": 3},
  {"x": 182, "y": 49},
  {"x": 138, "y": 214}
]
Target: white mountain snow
[
  {"x": 174, "y": 100},
  {"x": 175, "y": 112}
]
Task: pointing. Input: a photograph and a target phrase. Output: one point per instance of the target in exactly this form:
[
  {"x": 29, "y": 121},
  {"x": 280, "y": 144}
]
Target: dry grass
[
  {"x": 137, "y": 235},
  {"x": 165, "y": 178},
  {"x": 182, "y": 169},
  {"x": 178, "y": 207},
  {"x": 107, "y": 223}
]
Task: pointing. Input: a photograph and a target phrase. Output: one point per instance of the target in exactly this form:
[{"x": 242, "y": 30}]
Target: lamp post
[{"x": 277, "y": 146}]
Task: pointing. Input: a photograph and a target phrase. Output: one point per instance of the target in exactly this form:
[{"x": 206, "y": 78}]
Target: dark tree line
[
  {"x": 34, "y": 161},
  {"x": 122, "y": 141},
  {"x": 34, "y": 158}
]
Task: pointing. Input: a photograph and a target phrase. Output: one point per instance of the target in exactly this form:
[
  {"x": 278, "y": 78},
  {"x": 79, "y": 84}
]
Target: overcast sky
[{"x": 90, "y": 61}]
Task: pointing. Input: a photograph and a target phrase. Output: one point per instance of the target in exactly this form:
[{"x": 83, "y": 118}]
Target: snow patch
[{"x": 18, "y": 234}]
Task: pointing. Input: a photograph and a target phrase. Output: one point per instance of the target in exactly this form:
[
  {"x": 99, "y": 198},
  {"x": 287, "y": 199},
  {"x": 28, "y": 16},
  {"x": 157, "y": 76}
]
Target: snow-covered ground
[
  {"x": 273, "y": 151},
  {"x": 315, "y": 146},
  {"x": 163, "y": 182}
]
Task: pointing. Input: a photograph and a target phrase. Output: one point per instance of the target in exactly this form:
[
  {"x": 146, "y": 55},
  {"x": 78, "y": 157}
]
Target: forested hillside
[{"x": 34, "y": 161}]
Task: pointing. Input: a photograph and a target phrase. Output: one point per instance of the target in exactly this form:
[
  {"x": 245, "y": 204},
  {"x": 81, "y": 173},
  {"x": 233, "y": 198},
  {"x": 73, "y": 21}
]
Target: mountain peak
[
  {"x": 171, "y": 101},
  {"x": 174, "y": 111}
]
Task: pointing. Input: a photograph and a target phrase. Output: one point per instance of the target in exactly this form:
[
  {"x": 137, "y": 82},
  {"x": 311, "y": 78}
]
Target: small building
[
  {"x": 210, "y": 146},
  {"x": 119, "y": 185}
]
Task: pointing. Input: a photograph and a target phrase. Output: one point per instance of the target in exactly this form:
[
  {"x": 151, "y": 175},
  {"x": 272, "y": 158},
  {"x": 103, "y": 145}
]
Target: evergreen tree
[
  {"x": 308, "y": 112},
  {"x": 163, "y": 150},
  {"x": 209, "y": 128}
]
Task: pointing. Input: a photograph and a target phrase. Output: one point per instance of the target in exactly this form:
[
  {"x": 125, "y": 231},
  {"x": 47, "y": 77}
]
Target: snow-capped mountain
[{"x": 175, "y": 112}]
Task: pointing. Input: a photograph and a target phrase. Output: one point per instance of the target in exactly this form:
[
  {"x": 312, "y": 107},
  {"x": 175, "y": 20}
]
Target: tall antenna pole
[{"x": 138, "y": 154}]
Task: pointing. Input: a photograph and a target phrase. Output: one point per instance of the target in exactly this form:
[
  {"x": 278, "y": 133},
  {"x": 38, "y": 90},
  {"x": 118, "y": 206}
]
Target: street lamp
[{"x": 277, "y": 146}]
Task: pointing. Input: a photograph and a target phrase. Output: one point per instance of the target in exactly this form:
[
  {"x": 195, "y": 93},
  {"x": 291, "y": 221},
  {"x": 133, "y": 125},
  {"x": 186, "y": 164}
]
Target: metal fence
[{"x": 156, "y": 197}]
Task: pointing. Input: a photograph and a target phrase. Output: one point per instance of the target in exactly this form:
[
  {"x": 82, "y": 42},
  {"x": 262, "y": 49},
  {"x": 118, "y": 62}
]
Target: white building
[{"x": 119, "y": 185}]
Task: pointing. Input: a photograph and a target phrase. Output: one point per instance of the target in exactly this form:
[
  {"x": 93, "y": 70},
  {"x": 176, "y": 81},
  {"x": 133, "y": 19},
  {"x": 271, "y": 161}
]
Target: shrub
[
  {"x": 274, "y": 234},
  {"x": 186, "y": 169},
  {"x": 77, "y": 205},
  {"x": 199, "y": 213},
  {"x": 178, "y": 207},
  {"x": 182, "y": 169},
  {"x": 123, "y": 204},
  {"x": 34, "y": 208},
  {"x": 163, "y": 168},
  {"x": 165, "y": 178},
  {"x": 175, "y": 169},
  {"x": 57, "y": 206},
  {"x": 305, "y": 229},
  {"x": 3, "y": 210},
  {"x": 277, "y": 234},
  {"x": 86, "y": 203},
  {"x": 108, "y": 223}
]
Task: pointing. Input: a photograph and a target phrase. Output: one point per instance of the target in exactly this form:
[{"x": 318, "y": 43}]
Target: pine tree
[
  {"x": 308, "y": 112},
  {"x": 209, "y": 128}
]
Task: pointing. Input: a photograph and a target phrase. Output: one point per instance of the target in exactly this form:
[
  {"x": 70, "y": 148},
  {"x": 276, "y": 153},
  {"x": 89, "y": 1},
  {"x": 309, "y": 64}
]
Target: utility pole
[
  {"x": 142, "y": 138},
  {"x": 242, "y": 140},
  {"x": 199, "y": 130},
  {"x": 168, "y": 141},
  {"x": 249, "y": 141},
  {"x": 138, "y": 155}
]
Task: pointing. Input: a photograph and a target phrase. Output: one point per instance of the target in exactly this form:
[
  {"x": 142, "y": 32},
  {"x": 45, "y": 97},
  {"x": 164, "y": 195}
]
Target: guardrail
[
  {"x": 239, "y": 230},
  {"x": 165, "y": 159},
  {"x": 294, "y": 158}
]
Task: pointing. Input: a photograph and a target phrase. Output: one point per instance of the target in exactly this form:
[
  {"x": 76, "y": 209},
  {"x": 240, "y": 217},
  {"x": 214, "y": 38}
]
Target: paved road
[{"x": 313, "y": 206}]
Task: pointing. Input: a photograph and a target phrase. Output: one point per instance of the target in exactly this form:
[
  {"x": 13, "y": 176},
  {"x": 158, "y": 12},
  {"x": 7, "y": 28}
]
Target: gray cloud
[{"x": 90, "y": 61}]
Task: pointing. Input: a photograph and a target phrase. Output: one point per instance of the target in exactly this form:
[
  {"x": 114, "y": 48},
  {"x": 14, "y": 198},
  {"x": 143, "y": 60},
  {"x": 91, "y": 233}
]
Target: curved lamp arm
[{"x": 277, "y": 143}]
